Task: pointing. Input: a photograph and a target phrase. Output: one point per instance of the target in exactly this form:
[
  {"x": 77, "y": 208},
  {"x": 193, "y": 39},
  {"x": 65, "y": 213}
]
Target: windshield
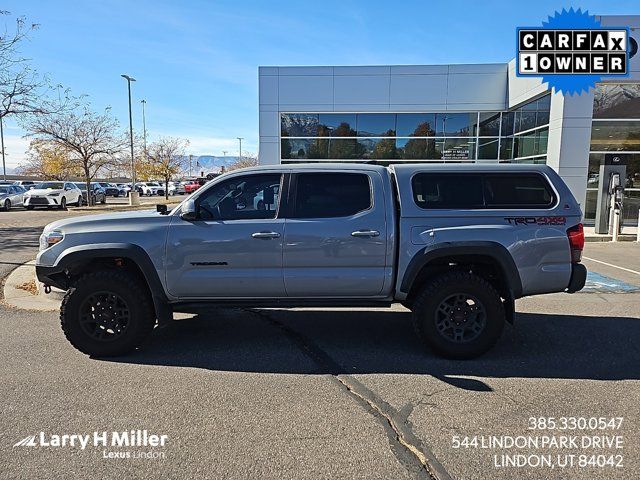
[{"x": 54, "y": 185}]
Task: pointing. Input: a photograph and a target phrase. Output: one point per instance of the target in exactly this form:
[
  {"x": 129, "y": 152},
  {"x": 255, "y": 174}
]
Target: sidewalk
[{"x": 21, "y": 290}]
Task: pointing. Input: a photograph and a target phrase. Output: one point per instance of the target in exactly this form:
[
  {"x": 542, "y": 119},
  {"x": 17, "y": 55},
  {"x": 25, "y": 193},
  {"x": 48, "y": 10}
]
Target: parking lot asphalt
[{"x": 317, "y": 393}]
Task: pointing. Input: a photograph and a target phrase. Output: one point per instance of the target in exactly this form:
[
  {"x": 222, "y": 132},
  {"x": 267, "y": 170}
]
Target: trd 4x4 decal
[{"x": 536, "y": 220}]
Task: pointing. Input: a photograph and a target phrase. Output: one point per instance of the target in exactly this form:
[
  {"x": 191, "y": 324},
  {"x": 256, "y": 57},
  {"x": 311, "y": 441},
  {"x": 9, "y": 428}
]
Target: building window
[
  {"x": 489, "y": 124},
  {"x": 299, "y": 125},
  {"x": 519, "y": 135},
  {"x": 416, "y": 125},
  {"x": 617, "y": 100},
  {"x": 377, "y": 125},
  {"x": 337, "y": 125},
  {"x": 615, "y": 128},
  {"x": 615, "y": 136}
]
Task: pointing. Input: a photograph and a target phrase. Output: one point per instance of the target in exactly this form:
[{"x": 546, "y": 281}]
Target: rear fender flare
[{"x": 494, "y": 250}]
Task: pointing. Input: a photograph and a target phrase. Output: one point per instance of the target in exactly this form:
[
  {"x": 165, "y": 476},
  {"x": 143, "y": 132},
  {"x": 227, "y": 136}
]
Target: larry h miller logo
[
  {"x": 116, "y": 445},
  {"x": 572, "y": 51}
]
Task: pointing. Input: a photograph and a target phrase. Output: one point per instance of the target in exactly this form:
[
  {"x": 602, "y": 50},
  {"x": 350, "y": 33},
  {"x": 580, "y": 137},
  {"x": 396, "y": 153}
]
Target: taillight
[{"x": 576, "y": 242}]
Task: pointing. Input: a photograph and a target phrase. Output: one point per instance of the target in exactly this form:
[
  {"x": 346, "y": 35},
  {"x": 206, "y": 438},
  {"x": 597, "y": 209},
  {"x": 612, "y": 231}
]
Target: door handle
[
  {"x": 265, "y": 235},
  {"x": 365, "y": 233}
]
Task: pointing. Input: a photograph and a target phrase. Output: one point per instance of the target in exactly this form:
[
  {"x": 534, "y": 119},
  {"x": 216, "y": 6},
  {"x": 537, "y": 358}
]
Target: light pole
[
  {"x": 144, "y": 128},
  {"x": 4, "y": 165},
  {"x": 133, "y": 194},
  {"x": 190, "y": 161},
  {"x": 240, "y": 151}
]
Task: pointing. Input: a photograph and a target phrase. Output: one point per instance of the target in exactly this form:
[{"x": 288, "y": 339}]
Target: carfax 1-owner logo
[{"x": 572, "y": 51}]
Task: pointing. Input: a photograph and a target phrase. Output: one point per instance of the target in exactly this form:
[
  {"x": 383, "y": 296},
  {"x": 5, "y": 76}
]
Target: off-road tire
[
  {"x": 430, "y": 298},
  {"x": 141, "y": 313}
]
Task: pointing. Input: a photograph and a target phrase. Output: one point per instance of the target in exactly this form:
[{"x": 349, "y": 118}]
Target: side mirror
[
  {"x": 161, "y": 209},
  {"x": 188, "y": 211}
]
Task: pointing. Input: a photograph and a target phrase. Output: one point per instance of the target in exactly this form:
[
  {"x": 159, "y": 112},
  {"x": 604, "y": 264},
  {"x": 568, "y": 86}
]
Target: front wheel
[
  {"x": 458, "y": 315},
  {"x": 104, "y": 200},
  {"x": 7, "y": 205},
  {"x": 107, "y": 313},
  {"x": 63, "y": 204}
]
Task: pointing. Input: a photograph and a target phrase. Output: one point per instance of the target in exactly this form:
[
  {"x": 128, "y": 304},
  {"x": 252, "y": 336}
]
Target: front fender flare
[{"x": 82, "y": 253}]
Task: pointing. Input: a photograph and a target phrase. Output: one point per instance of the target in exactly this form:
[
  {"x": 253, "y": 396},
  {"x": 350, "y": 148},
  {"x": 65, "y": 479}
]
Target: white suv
[
  {"x": 147, "y": 188},
  {"x": 53, "y": 194}
]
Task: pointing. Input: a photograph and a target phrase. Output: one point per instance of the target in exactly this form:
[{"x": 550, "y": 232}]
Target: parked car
[
  {"x": 269, "y": 203},
  {"x": 191, "y": 186},
  {"x": 456, "y": 244},
  {"x": 175, "y": 188},
  {"x": 158, "y": 186},
  {"x": 179, "y": 188},
  {"x": 11, "y": 196},
  {"x": 149, "y": 188},
  {"x": 124, "y": 188},
  {"x": 97, "y": 193},
  {"x": 53, "y": 194},
  {"x": 110, "y": 189},
  {"x": 27, "y": 184}
]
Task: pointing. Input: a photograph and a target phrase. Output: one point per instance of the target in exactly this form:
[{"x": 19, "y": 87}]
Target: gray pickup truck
[{"x": 455, "y": 244}]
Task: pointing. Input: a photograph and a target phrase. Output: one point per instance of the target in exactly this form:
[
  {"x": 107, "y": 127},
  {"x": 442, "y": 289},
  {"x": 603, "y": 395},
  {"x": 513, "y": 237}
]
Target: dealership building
[{"x": 480, "y": 113}]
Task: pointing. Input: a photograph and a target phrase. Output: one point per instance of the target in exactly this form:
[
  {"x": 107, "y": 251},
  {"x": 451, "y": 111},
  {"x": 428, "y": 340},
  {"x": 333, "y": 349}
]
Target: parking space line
[{"x": 612, "y": 265}]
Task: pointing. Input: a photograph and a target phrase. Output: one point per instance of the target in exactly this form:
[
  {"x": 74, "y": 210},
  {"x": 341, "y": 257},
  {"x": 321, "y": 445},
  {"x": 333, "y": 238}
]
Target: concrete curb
[
  {"x": 24, "y": 300},
  {"x": 607, "y": 238}
]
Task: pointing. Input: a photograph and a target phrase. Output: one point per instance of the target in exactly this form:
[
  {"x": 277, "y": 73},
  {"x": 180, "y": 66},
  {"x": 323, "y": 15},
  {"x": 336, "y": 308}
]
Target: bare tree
[
  {"x": 247, "y": 160},
  {"x": 91, "y": 138},
  {"x": 165, "y": 158},
  {"x": 22, "y": 90}
]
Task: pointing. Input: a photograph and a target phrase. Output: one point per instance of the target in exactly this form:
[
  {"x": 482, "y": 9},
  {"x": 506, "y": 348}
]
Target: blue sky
[{"x": 196, "y": 62}]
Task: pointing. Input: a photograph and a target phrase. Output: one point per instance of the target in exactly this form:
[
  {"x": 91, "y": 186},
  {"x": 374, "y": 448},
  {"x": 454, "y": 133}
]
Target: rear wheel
[
  {"x": 104, "y": 200},
  {"x": 458, "y": 315},
  {"x": 107, "y": 313}
]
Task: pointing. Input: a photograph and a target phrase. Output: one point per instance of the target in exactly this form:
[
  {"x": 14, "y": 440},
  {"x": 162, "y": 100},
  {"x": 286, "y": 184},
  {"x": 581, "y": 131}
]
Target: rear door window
[{"x": 326, "y": 195}]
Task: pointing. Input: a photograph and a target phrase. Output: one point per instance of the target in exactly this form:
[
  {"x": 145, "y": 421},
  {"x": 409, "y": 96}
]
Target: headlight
[
  {"x": 53, "y": 194},
  {"x": 50, "y": 238}
]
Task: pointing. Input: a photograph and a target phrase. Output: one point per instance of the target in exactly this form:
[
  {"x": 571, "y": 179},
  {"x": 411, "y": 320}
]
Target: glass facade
[
  {"x": 519, "y": 135},
  {"x": 616, "y": 129}
]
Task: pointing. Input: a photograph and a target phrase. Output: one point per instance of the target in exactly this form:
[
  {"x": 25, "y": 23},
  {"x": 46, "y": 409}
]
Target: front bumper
[
  {"x": 578, "y": 278},
  {"x": 40, "y": 201},
  {"x": 52, "y": 276}
]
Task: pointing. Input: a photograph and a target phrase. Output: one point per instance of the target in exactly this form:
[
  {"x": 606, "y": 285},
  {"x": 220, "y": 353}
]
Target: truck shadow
[{"x": 383, "y": 342}]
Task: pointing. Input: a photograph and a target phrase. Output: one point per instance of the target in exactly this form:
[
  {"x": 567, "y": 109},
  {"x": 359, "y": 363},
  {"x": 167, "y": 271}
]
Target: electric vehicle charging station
[{"x": 610, "y": 194}]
